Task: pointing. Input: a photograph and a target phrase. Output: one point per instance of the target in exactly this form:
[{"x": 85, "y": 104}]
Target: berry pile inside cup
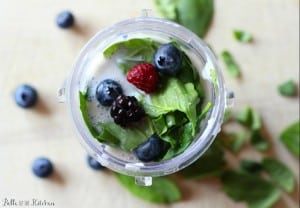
[{"x": 163, "y": 117}]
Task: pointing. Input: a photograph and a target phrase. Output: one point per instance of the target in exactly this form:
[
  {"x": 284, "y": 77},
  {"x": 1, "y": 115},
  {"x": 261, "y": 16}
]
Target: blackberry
[{"x": 125, "y": 110}]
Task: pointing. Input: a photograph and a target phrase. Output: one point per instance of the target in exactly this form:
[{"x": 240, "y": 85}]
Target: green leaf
[
  {"x": 195, "y": 15},
  {"x": 167, "y": 8},
  {"x": 287, "y": 88},
  {"x": 250, "y": 188},
  {"x": 242, "y": 36},
  {"x": 204, "y": 167},
  {"x": 250, "y": 166},
  {"x": 132, "y": 51},
  {"x": 163, "y": 190},
  {"x": 174, "y": 96},
  {"x": 234, "y": 141},
  {"x": 230, "y": 63},
  {"x": 180, "y": 138},
  {"x": 183, "y": 135},
  {"x": 126, "y": 138},
  {"x": 249, "y": 118},
  {"x": 228, "y": 115},
  {"x": 290, "y": 138},
  {"x": 84, "y": 112},
  {"x": 258, "y": 141},
  {"x": 279, "y": 174}
]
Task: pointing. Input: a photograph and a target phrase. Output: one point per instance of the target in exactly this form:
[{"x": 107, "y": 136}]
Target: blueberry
[
  {"x": 94, "y": 163},
  {"x": 107, "y": 91},
  {"x": 152, "y": 149},
  {"x": 65, "y": 19},
  {"x": 167, "y": 59},
  {"x": 25, "y": 96},
  {"x": 42, "y": 167}
]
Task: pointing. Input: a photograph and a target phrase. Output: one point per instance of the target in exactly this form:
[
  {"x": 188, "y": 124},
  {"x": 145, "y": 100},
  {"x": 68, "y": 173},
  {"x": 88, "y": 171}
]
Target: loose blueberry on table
[
  {"x": 94, "y": 164},
  {"x": 42, "y": 167},
  {"x": 26, "y": 96},
  {"x": 65, "y": 19}
]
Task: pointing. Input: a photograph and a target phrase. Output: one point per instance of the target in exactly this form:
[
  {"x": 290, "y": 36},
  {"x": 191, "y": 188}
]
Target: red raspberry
[{"x": 144, "y": 76}]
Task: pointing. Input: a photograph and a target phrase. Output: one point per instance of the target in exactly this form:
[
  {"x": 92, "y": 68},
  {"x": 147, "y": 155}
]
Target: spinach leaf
[
  {"x": 127, "y": 139},
  {"x": 279, "y": 173},
  {"x": 174, "y": 96},
  {"x": 228, "y": 115},
  {"x": 242, "y": 36},
  {"x": 211, "y": 163},
  {"x": 180, "y": 138},
  {"x": 167, "y": 8},
  {"x": 251, "y": 166},
  {"x": 193, "y": 14},
  {"x": 163, "y": 190},
  {"x": 132, "y": 51},
  {"x": 287, "y": 88},
  {"x": 234, "y": 141},
  {"x": 230, "y": 63},
  {"x": 250, "y": 118},
  {"x": 84, "y": 112},
  {"x": 290, "y": 138},
  {"x": 258, "y": 141},
  {"x": 250, "y": 188}
]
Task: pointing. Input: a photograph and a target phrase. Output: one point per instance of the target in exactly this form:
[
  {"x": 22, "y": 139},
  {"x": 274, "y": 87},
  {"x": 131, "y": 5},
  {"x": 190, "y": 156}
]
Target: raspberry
[
  {"x": 144, "y": 76},
  {"x": 125, "y": 110}
]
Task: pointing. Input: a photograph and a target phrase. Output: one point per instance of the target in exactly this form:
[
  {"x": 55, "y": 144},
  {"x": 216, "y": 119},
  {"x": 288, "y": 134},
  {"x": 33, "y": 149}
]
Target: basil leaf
[
  {"x": 258, "y": 141},
  {"x": 133, "y": 51},
  {"x": 195, "y": 15},
  {"x": 251, "y": 166},
  {"x": 163, "y": 190},
  {"x": 230, "y": 63},
  {"x": 255, "y": 191},
  {"x": 279, "y": 174},
  {"x": 127, "y": 139},
  {"x": 84, "y": 112},
  {"x": 290, "y": 138},
  {"x": 287, "y": 88},
  {"x": 242, "y": 36},
  {"x": 211, "y": 163},
  {"x": 174, "y": 96}
]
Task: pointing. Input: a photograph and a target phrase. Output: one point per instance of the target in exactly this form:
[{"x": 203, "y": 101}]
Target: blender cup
[{"x": 215, "y": 92}]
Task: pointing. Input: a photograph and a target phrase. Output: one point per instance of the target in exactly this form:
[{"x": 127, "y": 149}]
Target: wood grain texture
[{"x": 33, "y": 50}]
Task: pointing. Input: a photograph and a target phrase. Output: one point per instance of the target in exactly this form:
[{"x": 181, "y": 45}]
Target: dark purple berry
[{"x": 125, "y": 110}]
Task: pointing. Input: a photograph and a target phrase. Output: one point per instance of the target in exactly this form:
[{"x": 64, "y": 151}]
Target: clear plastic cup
[{"x": 215, "y": 92}]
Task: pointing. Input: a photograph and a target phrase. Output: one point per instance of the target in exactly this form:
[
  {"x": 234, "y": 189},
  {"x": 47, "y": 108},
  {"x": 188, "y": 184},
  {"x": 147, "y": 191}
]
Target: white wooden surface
[{"x": 33, "y": 50}]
